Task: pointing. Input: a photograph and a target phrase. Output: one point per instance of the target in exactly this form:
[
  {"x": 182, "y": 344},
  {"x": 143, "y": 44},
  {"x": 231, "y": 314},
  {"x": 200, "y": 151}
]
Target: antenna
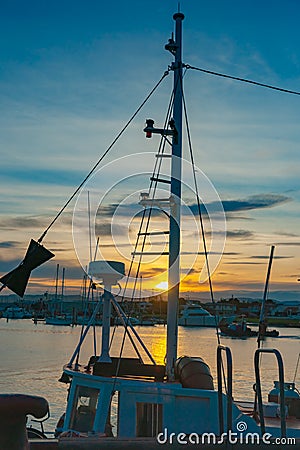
[{"x": 179, "y": 7}]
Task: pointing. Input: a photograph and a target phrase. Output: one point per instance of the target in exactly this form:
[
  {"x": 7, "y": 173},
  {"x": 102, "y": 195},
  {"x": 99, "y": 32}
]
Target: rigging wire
[
  {"x": 90, "y": 290},
  {"x": 296, "y": 369},
  {"x": 202, "y": 231},
  {"x": 243, "y": 80},
  {"x": 192, "y": 160},
  {"x": 103, "y": 156},
  {"x": 129, "y": 336},
  {"x": 199, "y": 211},
  {"x": 153, "y": 187}
]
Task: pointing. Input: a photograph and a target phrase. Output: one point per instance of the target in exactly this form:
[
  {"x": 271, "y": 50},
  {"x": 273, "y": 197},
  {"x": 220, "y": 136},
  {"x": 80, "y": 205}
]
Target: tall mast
[
  {"x": 262, "y": 318},
  {"x": 62, "y": 289},
  {"x": 56, "y": 281},
  {"x": 175, "y": 211}
]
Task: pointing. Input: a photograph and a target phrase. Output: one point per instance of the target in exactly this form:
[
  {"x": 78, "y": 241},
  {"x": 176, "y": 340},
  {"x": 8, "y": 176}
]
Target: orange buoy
[{"x": 193, "y": 372}]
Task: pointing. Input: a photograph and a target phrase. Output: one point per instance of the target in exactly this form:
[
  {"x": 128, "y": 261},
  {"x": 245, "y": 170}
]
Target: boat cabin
[
  {"x": 141, "y": 403},
  {"x": 127, "y": 407}
]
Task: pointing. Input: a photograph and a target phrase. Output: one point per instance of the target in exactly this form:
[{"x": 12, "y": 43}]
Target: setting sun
[{"x": 163, "y": 285}]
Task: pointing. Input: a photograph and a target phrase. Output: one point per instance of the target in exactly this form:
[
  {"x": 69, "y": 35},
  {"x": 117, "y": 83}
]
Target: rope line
[
  {"x": 243, "y": 80},
  {"x": 146, "y": 217},
  {"x": 103, "y": 156},
  {"x": 211, "y": 290}
]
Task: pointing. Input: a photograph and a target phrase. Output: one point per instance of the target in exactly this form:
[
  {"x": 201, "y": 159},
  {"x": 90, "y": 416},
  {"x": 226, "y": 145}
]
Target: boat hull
[
  {"x": 16, "y": 313},
  {"x": 247, "y": 333},
  {"x": 58, "y": 321},
  {"x": 202, "y": 321}
]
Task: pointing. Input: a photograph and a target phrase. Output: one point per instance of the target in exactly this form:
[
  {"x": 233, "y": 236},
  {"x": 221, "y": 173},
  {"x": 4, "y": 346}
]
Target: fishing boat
[
  {"x": 16, "y": 312},
  {"x": 85, "y": 319},
  {"x": 132, "y": 320},
  {"x": 135, "y": 401},
  {"x": 240, "y": 329},
  {"x": 125, "y": 402},
  {"x": 194, "y": 315},
  {"x": 59, "y": 319},
  {"x": 148, "y": 321}
]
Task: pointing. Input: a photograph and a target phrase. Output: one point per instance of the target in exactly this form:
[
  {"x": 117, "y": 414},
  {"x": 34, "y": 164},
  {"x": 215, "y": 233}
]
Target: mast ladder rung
[
  {"x": 149, "y": 253},
  {"x": 154, "y": 233},
  {"x": 163, "y": 155},
  {"x": 160, "y": 180},
  {"x": 150, "y": 201},
  {"x": 155, "y": 202}
]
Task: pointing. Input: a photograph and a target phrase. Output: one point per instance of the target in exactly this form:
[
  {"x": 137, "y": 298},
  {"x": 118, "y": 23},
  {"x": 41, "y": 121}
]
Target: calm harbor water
[{"x": 32, "y": 357}]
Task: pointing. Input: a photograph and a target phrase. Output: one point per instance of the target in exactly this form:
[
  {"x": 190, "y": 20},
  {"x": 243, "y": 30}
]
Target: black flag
[{"x": 17, "y": 279}]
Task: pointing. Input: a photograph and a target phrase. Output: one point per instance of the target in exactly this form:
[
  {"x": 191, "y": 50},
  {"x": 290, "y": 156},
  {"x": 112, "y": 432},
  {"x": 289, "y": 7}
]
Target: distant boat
[
  {"x": 38, "y": 318},
  {"x": 59, "y": 319},
  {"x": 84, "y": 320},
  {"x": 132, "y": 320},
  {"x": 195, "y": 316},
  {"x": 240, "y": 329},
  {"x": 15, "y": 312},
  {"x": 147, "y": 321}
]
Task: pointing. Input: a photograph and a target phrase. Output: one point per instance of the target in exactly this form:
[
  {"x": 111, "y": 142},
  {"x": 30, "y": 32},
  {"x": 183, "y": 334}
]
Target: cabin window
[
  {"x": 84, "y": 409},
  {"x": 148, "y": 419}
]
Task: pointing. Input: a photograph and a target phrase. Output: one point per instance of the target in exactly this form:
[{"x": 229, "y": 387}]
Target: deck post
[{"x": 104, "y": 357}]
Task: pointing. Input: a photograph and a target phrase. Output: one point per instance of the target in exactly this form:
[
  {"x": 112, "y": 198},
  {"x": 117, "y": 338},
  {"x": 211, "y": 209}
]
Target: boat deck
[
  {"x": 125, "y": 368},
  {"x": 270, "y": 421}
]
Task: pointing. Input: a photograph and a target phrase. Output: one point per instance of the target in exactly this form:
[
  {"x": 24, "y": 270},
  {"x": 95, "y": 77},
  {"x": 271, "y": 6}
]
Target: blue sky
[{"x": 73, "y": 72}]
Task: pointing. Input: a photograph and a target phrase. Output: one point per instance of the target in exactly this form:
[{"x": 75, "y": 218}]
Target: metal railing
[
  {"x": 281, "y": 389},
  {"x": 220, "y": 366}
]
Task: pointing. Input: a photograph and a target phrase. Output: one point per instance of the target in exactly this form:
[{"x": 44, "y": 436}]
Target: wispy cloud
[
  {"x": 153, "y": 272},
  {"x": 239, "y": 234},
  {"x": 254, "y": 202},
  {"x": 267, "y": 257},
  {"x": 287, "y": 234},
  {"x": 60, "y": 110},
  {"x": 6, "y": 265},
  {"x": 43, "y": 176},
  {"x": 106, "y": 230},
  {"x": 8, "y": 244},
  {"x": 20, "y": 222},
  {"x": 259, "y": 201},
  {"x": 291, "y": 244},
  {"x": 212, "y": 253},
  {"x": 250, "y": 263}
]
